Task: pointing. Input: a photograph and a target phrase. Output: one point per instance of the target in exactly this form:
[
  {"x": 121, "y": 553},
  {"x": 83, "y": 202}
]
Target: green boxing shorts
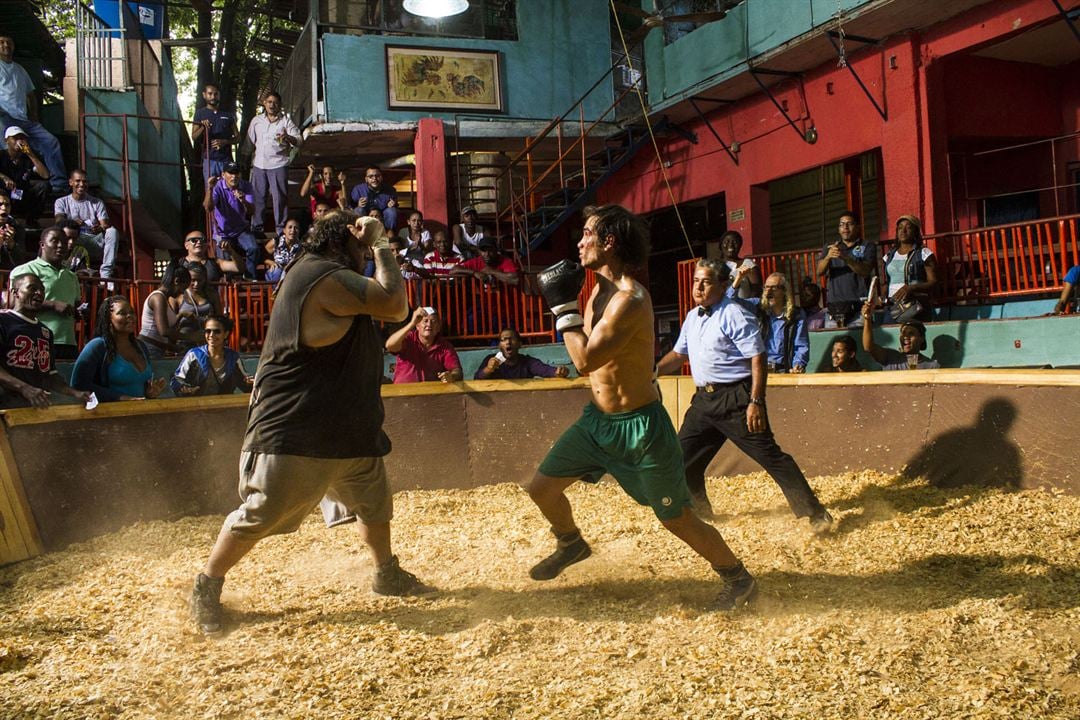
[{"x": 638, "y": 448}]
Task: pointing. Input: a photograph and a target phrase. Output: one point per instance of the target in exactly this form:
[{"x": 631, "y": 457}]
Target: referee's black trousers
[{"x": 717, "y": 416}]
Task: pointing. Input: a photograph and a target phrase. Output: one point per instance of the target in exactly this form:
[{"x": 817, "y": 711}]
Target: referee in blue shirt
[{"x": 722, "y": 339}]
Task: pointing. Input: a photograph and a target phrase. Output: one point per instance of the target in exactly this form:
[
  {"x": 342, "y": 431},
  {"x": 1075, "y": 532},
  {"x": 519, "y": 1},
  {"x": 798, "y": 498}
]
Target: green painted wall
[
  {"x": 160, "y": 187},
  {"x": 563, "y": 48},
  {"x": 720, "y": 49},
  {"x": 1028, "y": 342}
]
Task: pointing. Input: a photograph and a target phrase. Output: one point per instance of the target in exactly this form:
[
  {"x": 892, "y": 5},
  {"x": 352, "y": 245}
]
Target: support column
[{"x": 431, "y": 188}]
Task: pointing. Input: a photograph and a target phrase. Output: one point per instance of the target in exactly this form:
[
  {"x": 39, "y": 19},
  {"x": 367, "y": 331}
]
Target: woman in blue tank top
[{"x": 115, "y": 365}]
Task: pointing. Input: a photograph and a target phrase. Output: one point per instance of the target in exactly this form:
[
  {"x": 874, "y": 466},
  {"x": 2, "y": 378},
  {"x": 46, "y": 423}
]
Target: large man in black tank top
[{"x": 314, "y": 429}]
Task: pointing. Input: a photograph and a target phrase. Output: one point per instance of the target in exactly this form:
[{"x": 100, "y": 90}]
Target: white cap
[{"x": 13, "y": 131}]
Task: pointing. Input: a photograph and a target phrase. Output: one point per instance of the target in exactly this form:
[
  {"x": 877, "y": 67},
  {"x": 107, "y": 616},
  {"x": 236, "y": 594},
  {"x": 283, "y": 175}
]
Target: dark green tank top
[{"x": 316, "y": 402}]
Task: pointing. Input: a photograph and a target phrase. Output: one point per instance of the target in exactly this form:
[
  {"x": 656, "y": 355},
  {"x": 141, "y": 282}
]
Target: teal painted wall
[
  {"x": 160, "y": 187},
  {"x": 720, "y": 48},
  {"x": 563, "y": 47},
  {"x": 1028, "y": 342}
]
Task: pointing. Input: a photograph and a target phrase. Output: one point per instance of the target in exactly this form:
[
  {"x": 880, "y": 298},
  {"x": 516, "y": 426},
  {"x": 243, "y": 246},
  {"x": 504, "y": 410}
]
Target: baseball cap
[
  {"x": 13, "y": 131},
  {"x": 487, "y": 243},
  {"x": 468, "y": 209},
  {"x": 231, "y": 167}
]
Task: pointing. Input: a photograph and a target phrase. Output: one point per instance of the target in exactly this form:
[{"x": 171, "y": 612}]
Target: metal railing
[
  {"x": 973, "y": 266},
  {"x": 101, "y": 52}
]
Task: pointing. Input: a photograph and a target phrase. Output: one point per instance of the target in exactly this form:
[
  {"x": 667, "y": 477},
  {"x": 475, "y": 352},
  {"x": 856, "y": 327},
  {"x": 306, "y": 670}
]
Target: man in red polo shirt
[
  {"x": 490, "y": 265},
  {"x": 423, "y": 355}
]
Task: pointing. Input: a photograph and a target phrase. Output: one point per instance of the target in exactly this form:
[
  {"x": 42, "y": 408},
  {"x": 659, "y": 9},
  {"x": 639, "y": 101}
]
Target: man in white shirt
[
  {"x": 96, "y": 232},
  {"x": 18, "y": 106},
  {"x": 274, "y": 136}
]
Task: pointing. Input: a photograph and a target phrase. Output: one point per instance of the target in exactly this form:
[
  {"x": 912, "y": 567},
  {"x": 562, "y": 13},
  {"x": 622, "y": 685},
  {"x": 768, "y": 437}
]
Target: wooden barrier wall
[{"x": 67, "y": 474}]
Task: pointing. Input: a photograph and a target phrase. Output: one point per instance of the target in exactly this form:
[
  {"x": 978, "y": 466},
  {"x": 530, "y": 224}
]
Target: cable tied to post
[{"x": 649, "y": 127}]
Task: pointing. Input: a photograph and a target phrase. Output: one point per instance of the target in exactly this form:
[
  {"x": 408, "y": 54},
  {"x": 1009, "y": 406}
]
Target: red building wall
[{"x": 915, "y": 76}]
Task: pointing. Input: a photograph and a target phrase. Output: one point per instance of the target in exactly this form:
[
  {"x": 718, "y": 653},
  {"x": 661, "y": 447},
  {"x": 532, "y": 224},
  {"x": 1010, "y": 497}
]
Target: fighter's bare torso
[{"x": 626, "y": 381}]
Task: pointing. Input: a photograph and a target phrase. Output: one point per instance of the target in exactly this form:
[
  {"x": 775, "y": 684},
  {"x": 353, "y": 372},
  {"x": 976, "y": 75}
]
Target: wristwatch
[{"x": 758, "y": 401}]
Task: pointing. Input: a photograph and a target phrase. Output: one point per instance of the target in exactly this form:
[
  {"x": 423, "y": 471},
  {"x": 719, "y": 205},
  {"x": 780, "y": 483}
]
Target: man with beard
[
  {"x": 315, "y": 420},
  {"x": 27, "y": 365},
  {"x": 624, "y": 430},
  {"x": 220, "y": 129}
]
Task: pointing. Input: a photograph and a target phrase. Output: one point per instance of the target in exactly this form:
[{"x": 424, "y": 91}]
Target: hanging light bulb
[{"x": 436, "y": 8}]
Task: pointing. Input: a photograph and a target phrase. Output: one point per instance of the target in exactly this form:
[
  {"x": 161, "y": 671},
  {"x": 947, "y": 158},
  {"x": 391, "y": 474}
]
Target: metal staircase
[{"x": 574, "y": 190}]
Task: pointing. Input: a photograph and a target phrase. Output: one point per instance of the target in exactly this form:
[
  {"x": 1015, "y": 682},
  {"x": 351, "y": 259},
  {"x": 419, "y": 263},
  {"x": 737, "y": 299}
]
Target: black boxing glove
[{"x": 560, "y": 285}]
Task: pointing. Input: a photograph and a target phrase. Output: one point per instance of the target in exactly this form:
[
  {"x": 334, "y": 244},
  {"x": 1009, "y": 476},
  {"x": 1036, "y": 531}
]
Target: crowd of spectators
[{"x": 179, "y": 317}]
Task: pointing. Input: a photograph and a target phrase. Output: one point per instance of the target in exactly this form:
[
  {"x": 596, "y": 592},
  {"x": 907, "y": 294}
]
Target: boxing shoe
[
  {"x": 572, "y": 549},
  {"x": 739, "y": 588}
]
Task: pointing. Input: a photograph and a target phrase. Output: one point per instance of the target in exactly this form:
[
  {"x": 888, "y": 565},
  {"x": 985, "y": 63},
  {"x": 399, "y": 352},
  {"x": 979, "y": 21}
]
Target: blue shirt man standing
[{"x": 722, "y": 339}]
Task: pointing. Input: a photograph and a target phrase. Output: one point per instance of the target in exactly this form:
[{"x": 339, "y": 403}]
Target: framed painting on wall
[{"x": 435, "y": 78}]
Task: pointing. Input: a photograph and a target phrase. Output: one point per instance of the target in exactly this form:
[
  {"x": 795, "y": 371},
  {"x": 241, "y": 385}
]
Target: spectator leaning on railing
[
  {"x": 912, "y": 343},
  {"x": 842, "y": 354},
  {"x": 510, "y": 364},
  {"x": 212, "y": 368},
  {"x": 27, "y": 365},
  {"x": 423, "y": 354}
]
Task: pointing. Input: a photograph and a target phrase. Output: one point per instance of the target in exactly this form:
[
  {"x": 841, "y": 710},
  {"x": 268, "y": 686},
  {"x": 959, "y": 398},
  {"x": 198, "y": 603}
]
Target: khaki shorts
[{"x": 280, "y": 491}]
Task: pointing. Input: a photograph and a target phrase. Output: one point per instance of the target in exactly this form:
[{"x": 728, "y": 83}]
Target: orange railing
[
  {"x": 1000, "y": 262},
  {"x": 474, "y": 311}
]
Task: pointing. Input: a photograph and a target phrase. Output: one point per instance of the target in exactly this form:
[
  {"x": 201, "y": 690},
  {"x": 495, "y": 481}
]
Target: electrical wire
[{"x": 648, "y": 125}]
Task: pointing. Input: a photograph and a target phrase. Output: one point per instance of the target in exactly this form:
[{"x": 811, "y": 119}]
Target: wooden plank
[{"x": 19, "y": 537}]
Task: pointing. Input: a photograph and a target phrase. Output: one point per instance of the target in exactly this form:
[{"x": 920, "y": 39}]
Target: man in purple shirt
[
  {"x": 509, "y": 364},
  {"x": 232, "y": 202}
]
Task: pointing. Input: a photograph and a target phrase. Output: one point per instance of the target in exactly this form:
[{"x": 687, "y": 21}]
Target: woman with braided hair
[{"x": 116, "y": 365}]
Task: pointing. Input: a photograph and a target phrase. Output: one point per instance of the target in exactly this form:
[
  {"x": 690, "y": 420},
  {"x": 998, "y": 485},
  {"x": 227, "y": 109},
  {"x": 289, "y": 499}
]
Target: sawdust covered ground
[{"x": 925, "y": 603}]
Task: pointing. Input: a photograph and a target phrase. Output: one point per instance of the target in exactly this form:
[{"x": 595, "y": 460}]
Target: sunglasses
[{"x": 196, "y": 240}]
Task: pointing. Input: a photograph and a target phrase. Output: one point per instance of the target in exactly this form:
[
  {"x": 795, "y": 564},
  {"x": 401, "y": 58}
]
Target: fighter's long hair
[
  {"x": 330, "y": 235},
  {"x": 631, "y": 233}
]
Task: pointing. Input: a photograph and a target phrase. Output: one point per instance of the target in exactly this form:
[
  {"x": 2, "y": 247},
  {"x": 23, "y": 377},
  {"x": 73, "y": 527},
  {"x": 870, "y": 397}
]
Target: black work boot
[
  {"x": 739, "y": 588},
  {"x": 206, "y": 603},
  {"x": 571, "y": 548},
  {"x": 390, "y": 579}
]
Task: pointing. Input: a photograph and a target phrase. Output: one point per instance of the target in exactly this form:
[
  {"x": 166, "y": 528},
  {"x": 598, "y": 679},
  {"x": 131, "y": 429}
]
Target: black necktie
[{"x": 704, "y": 312}]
